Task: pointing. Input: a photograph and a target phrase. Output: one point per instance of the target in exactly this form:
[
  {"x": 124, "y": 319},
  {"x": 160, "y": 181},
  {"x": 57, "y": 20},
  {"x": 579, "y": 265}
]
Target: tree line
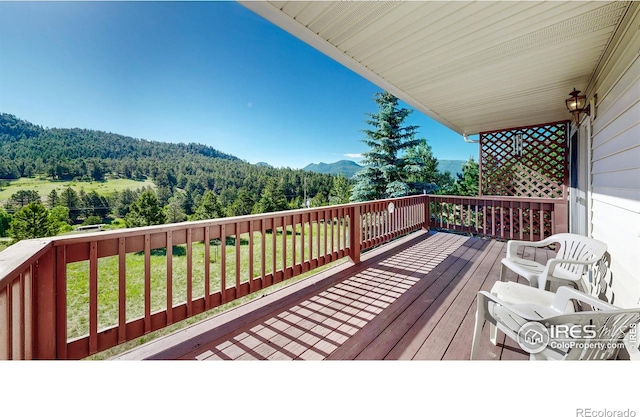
[{"x": 196, "y": 182}]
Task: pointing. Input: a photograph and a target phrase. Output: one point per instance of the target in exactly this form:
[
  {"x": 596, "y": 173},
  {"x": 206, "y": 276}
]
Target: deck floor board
[{"x": 412, "y": 300}]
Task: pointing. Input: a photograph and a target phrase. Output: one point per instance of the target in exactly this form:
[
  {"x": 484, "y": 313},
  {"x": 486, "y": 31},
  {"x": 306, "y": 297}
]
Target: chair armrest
[
  {"x": 554, "y": 262},
  {"x": 485, "y": 297},
  {"x": 513, "y": 245},
  {"x": 565, "y": 294}
]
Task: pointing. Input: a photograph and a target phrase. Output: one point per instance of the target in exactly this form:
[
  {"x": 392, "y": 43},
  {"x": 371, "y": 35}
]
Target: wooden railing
[
  {"x": 70, "y": 297},
  {"x": 499, "y": 217}
]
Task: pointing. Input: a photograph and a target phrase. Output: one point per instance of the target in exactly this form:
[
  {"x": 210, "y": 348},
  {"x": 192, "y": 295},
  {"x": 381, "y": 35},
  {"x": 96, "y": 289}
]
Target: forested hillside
[{"x": 182, "y": 173}]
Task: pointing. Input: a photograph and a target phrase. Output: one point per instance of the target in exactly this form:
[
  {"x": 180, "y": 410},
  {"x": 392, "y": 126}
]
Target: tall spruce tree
[
  {"x": 387, "y": 170},
  {"x": 468, "y": 182}
]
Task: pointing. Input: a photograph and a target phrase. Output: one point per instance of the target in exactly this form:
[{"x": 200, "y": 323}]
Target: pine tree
[
  {"x": 209, "y": 207},
  {"x": 53, "y": 199},
  {"x": 32, "y": 221},
  {"x": 340, "y": 191},
  {"x": 243, "y": 203},
  {"x": 387, "y": 170},
  {"x": 468, "y": 182},
  {"x": 273, "y": 198},
  {"x": 5, "y": 221},
  {"x": 425, "y": 178},
  {"x": 145, "y": 211}
]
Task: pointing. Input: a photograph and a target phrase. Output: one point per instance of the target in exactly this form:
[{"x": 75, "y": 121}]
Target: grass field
[
  {"x": 44, "y": 186},
  {"x": 78, "y": 281}
]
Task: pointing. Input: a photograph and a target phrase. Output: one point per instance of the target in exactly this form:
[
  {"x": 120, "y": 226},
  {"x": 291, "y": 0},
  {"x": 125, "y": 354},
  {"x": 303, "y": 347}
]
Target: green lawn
[
  {"x": 44, "y": 186},
  {"x": 78, "y": 281}
]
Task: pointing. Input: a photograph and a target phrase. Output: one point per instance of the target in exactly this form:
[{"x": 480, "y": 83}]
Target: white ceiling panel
[{"x": 473, "y": 66}]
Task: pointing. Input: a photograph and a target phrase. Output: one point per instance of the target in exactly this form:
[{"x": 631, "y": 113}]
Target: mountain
[
  {"x": 73, "y": 154},
  {"x": 344, "y": 167},
  {"x": 263, "y": 164},
  {"x": 454, "y": 166}
]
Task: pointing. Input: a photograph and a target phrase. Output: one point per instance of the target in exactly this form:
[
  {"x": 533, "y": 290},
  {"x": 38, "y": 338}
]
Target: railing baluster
[
  {"x": 147, "y": 283},
  {"x": 302, "y": 224},
  {"x": 294, "y": 232},
  {"x": 274, "y": 254},
  {"x": 284, "y": 247},
  {"x": 61, "y": 302},
  {"x": 263, "y": 267},
  {"x": 324, "y": 222},
  {"x": 93, "y": 297},
  {"x": 318, "y": 252},
  {"x": 169, "y": 278},
  {"x": 189, "y": 273},
  {"x": 122, "y": 290},
  {"x": 5, "y": 324},
  {"x": 16, "y": 317},
  {"x": 238, "y": 241},
  {"x": 251, "y": 254},
  {"x": 223, "y": 263},
  {"x": 310, "y": 240},
  {"x": 207, "y": 267},
  {"x": 30, "y": 281},
  {"x": 520, "y": 222}
]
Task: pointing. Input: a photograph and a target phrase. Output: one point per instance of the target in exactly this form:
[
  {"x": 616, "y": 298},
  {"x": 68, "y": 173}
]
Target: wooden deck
[{"x": 410, "y": 299}]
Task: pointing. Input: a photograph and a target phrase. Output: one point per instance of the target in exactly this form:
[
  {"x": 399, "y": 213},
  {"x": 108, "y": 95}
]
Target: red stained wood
[
  {"x": 93, "y": 298},
  {"x": 147, "y": 283},
  {"x": 122, "y": 290},
  {"x": 169, "y": 277}
]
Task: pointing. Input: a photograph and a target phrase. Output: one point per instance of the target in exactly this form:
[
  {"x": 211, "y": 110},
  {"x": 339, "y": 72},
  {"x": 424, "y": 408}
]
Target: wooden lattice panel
[{"x": 527, "y": 161}]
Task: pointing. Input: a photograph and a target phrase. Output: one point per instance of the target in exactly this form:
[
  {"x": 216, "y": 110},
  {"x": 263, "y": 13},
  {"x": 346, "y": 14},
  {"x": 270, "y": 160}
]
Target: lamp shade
[{"x": 576, "y": 102}]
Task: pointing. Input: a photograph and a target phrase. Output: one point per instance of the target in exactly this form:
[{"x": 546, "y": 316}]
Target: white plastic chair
[
  {"x": 609, "y": 324},
  {"x": 574, "y": 255},
  {"x": 594, "y": 283}
]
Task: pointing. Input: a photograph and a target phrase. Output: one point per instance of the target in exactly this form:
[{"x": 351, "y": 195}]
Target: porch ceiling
[{"x": 473, "y": 66}]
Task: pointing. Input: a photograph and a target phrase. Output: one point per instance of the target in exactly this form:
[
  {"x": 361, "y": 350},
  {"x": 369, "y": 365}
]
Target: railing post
[
  {"x": 355, "y": 233},
  {"x": 45, "y": 307},
  {"x": 560, "y": 217},
  {"x": 427, "y": 212}
]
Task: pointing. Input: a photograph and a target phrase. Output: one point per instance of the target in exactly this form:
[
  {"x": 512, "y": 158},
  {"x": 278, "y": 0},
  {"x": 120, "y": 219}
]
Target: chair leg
[
  {"x": 502, "y": 272},
  {"x": 493, "y": 334},
  {"x": 476, "y": 336}
]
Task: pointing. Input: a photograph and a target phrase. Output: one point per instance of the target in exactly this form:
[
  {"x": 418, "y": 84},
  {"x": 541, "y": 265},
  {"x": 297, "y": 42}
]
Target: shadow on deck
[{"x": 411, "y": 299}]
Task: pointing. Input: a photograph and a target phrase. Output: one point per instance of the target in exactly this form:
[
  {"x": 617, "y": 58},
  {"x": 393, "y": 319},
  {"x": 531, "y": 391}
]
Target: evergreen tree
[
  {"x": 5, "y": 222},
  {"x": 32, "y": 221},
  {"x": 69, "y": 199},
  {"x": 468, "y": 182},
  {"x": 426, "y": 176},
  {"x": 243, "y": 203},
  {"x": 53, "y": 199},
  {"x": 340, "y": 191},
  {"x": 22, "y": 198},
  {"x": 387, "y": 170},
  {"x": 319, "y": 200},
  {"x": 446, "y": 183},
  {"x": 209, "y": 207},
  {"x": 173, "y": 210},
  {"x": 188, "y": 203},
  {"x": 145, "y": 211},
  {"x": 124, "y": 201},
  {"x": 273, "y": 198}
]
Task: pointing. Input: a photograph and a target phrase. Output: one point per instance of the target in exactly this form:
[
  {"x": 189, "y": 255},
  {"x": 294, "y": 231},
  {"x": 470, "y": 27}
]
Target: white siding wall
[{"x": 616, "y": 164}]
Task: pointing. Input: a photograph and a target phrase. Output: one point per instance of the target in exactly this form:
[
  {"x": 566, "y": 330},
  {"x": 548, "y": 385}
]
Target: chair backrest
[
  {"x": 578, "y": 248},
  {"x": 598, "y": 279}
]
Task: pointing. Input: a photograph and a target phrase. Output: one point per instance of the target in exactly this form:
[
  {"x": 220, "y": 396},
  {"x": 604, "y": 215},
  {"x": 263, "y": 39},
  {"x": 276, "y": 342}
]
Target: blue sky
[{"x": 206, "y": 72}]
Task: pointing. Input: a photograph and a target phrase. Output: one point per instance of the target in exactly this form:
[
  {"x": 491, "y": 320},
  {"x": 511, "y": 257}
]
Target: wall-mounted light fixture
[{"x": 576, "y": 104}]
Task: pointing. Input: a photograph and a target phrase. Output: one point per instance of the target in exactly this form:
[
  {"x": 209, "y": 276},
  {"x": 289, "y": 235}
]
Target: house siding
[{"x": 615, "y": 165}]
